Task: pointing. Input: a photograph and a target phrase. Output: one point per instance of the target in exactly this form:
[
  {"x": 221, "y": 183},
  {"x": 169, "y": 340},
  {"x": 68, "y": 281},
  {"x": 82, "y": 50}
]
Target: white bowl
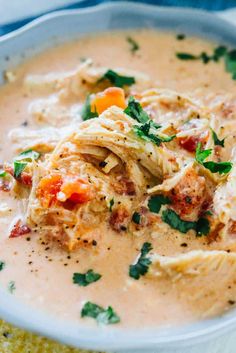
[{"x": 205, "y": 336}]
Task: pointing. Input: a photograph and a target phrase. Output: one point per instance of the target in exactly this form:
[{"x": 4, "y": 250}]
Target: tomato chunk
[
  {"x": 48, "y": 188},
  {"x": 104, "y": 100},
  {"x": 75, "y": 189},
  {"x": 54, "y": 188}
]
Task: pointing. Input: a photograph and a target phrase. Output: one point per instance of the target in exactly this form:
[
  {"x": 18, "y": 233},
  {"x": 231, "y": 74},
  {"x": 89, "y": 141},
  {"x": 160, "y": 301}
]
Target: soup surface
[{"x": 117, "y": 181}]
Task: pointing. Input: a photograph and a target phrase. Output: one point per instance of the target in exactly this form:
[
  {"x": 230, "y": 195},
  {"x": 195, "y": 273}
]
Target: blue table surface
[{"x": 212, "y": 5}]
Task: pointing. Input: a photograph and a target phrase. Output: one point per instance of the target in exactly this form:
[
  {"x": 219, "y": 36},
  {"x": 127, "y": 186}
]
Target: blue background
[{"x": 212, "y": 5}]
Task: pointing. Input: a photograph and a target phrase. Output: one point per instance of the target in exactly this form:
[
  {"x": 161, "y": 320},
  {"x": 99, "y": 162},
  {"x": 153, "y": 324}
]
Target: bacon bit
[
  {"x": 5, "y": 186},
  {"x": 190, "y": 143},
  {"x": 188, "y": 196},
  {"x": 104, "y": 100},
  {"x": 48, "y": 188},
  {"x": 119, "y": 219},
  {"x": 19, "y": 230},
  {"x": 24, "y": 178},
  {"x": 124, "y": 186}
]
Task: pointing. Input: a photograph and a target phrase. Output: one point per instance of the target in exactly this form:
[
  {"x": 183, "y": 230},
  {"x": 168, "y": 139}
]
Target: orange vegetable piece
[
  {"x": 48, "y": 188},
  {"x": 76, "y": 189},
  {"x": 111, "y": 96}
]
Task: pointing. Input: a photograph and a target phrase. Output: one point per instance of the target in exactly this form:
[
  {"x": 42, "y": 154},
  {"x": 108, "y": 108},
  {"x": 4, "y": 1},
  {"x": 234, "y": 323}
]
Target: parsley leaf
[
  {"x": 2, "y": 173},
  {"x": 216, "y": 140},
  {"x": 143, "y": 131},
  {"x": 230, "y": 62},
  {"x": 186, "y": 56},
  {"x": 84, "y": 279},
  {"x": 21, "y": 161},
  {"x": 135, "y": 111},
  {"x": 180, "y": 36},
  {"x": 2, "y": 265},
  {"x": 11, "y": 286},
  {"x": 18, "y": 168},
  {"x": 86, "y": 113},
  {"x": 219, "y": 52},
  {"x": 136, "y": 218},
  {"x": 133, "y": 44},
  {"x": 214, "y": 167},
  {"x": 140, "y": 268},
  {"x": 111, "y": 204},
  {"x": 202, "y": 226},
  {"x": 118, "y": 80},
  {"x": 28, "y": 156},
  {"x": 172, "y": 218},
  {"x": 102, "y": 316},
  {"x": 155, "y": 202}
]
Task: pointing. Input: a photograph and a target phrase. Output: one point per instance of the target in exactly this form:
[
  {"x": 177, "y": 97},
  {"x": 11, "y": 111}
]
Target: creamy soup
[{"x": 117, "y": 180}]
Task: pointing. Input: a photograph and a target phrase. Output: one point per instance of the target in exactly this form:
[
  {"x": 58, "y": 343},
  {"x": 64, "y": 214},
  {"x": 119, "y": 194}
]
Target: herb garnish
[
  {"x": 21, "y": 161},
  {"x": 135, "y": 111},
  {"x": 11, "y": 286},
  {"x": 111, "y": 204},
  {"x": 84, "y": 279},
  {"x": 136, "y": 218},
  {"x": 147, "y": 132},
  {"x": 180, "y": 36},
  {"x": 101, "y": 315},
  {"x": 118, "y": 80},
  {"x": 86, "y": 113},
  {"x": 202, "y": 226},
  {"x": 2, "y": 173},
  {"x": 2, "y": 265},
  {"x": 148, "y": 128},
  {"x": 214, "y": 167},
  {"x": 218, "y": 53},
  {"x": 141, "y": 267},
  {"x": 155, "y": 202},
  {"x": 216, "y": 139},
  {"x": 133, "y": 44}
]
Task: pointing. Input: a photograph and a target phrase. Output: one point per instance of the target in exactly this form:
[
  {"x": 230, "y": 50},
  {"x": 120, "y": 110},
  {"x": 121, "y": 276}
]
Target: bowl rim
[{"x": 113, "y": 338}]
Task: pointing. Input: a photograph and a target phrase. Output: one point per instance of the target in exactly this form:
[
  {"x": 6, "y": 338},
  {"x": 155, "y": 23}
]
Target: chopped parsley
[
  {"x": 2, "y": 265},
  {"x": 216, "y": 139},
  {"x": 21, "y": 161},
  {"x": 118, "y": 80},
  {"x": 202, "y": 226},
  {"x": 155, "y": 202},
  {"x": 86, "y": 113},
  {"x": 133, "y": 45},
  {"x": 186, "y": 56},
  {"x": 214, "y": 167},
  {"x": 2, "y": 173},
  {"x": 11, "y": 286},
  {"x": 147, "y": 132},
  {"x": 148, "y": 128},
  {"x": 180, "y": 36},
  {"x": 84, "y": 279},
  {"x": 111, "y": 204},
  {"x": 136, "y": 218},
  {"x": 140, "y": 268},
  {"x": 218, "y": 53},
  {"x": 101, "y": 315},
  {"x": 135, "y": 111}
]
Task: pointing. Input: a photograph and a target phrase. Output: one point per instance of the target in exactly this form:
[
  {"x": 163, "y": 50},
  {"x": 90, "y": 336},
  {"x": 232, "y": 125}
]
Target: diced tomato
[
  {"x": 104, "y": 100},
  {"x": 24, "y": 178},
  {"x": 19, "y": 229},
  {"x": 190, "y": 143},
  {"x": 54, "y": 188},
  {"x": 5, "y": 185},
  {"x": 76, "y": 189},
  {"x": 48, "y": 188}
]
